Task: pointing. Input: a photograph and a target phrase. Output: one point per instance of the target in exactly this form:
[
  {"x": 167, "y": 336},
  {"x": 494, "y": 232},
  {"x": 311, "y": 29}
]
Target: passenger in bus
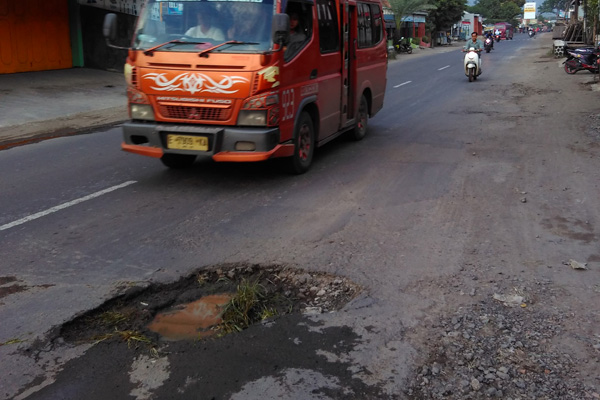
[
  {"x": 249, "y": 23},
  {"x": 205, "y": 29},
  {"x": 297, "y": 36}
]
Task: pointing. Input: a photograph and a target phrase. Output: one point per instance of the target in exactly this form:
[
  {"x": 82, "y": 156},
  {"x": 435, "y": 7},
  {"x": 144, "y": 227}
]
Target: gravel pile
[{"x": 501, "y": 348}]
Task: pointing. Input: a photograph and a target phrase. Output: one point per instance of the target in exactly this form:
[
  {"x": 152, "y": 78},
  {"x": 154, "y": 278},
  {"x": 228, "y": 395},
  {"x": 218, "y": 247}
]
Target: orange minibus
[{"x": 249, "y": 80}]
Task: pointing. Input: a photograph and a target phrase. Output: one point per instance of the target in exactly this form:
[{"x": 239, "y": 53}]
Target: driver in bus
[
  {"x": 297, "y": 36},
  {"x": 205, "y": 29}
]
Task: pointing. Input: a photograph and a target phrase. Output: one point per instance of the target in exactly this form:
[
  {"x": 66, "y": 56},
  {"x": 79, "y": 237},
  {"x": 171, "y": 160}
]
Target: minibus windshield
[{"x": 195, "y": 26}]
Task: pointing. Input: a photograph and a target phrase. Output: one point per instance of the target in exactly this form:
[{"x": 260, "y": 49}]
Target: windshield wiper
[
  {"x": 151, "y": 50},
  {"x": 205, "y": 51}
]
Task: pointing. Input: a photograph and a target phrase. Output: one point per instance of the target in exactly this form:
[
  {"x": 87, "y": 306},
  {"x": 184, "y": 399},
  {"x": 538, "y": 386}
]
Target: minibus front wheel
[{"x": 304, "y": 144}]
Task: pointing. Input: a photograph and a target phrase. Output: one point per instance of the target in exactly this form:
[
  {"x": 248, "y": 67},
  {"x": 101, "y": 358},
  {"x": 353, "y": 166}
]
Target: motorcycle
[
  {"x": 488, "y": 44},
  {"x": 402, "y": 47},
  {"x": 472, "y": 64},
  {"x": 582, "y": 59},
  {"x": 531, "y": 33},
  {"x": 497, "y": 37}
]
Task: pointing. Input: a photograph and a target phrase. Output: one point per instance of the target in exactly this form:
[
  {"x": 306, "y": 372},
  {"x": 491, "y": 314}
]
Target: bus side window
[
  {"x": 370, "y": 25},
  {"x": 328, "y": 29},
  {"x": 300, "y": 28}
]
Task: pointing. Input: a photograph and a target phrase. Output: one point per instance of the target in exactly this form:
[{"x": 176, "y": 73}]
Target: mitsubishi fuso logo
[
  {"x": 194, "y": 114},
  {"x": 195, "y": 83}
]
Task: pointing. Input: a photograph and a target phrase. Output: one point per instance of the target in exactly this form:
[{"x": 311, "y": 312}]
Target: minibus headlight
[
  {"x": 141, "y": 111},
  {"x": 252, "y": 118}
]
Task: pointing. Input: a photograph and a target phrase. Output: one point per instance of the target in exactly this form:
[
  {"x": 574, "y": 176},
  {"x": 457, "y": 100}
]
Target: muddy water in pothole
[{"x": 192, "y": 320}]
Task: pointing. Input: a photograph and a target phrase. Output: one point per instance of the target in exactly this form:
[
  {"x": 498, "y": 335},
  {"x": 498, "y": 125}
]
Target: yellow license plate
[{"x": 181, "y": 142}]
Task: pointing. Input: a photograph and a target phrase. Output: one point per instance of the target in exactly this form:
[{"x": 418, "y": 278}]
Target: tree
[
  {"x": 404, "y": 8},
  {"x": 553, "y": 6},
  {"x": 445, "y": 14},
  {"x": 497, "y": 10}
]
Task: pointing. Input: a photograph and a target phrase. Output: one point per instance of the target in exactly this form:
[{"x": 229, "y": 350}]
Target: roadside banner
[{"x": 529, "y": 11}]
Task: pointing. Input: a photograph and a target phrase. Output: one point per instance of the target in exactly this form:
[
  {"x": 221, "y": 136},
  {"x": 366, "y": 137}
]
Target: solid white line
[
  {"x": 447, "y": 66},
  {"x": 402, "y": 84},
  {"x": 65, "y": 205}
]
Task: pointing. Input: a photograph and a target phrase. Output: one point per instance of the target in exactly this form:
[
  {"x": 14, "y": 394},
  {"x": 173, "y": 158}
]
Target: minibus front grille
[{"x": 195, "y": 113}]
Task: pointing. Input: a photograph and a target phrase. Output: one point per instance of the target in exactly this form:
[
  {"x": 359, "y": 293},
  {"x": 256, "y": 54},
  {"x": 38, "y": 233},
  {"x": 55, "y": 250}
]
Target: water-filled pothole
[
  {"x": 141, "y": 314},
  {"x": 191, "y": 321}
]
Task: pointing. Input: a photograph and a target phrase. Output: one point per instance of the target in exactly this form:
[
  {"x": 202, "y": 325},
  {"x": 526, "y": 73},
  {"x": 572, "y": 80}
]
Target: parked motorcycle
[
  {"x": 582, "y": 59},
  {"x": 488, "y": 45},
  {"x": 472, "y": 64},
  {"x": 402, "y": 47}
]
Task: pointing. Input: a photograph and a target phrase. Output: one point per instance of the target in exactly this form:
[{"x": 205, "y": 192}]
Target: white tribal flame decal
[{"x": 195, "y": 83}]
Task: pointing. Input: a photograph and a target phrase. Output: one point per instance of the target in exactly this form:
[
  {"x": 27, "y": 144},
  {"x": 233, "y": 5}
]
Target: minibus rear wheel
[
  {"x": 304, "y": 145},
  {"x": 362, "y": 119},
  {"x": 178, "y": 161}
]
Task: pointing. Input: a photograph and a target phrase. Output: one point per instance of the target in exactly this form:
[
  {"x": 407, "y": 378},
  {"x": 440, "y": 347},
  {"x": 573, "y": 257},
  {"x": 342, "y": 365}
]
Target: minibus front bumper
[{"x": 222, "y": 143}]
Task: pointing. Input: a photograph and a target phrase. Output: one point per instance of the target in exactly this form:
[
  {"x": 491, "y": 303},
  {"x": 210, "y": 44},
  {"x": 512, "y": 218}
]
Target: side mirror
[
  {"x": 109, "y": 29},
  {"x": 280, "y": 30}
]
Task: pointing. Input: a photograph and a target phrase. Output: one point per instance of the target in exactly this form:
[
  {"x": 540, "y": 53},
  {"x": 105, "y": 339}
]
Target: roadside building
[
  {"x": 39, "y": 35},
  {"x": 470, "y": 23}
]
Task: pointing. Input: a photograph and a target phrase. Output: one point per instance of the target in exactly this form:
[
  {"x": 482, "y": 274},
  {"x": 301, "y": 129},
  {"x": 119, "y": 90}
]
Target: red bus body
[
  {"x": 241, "y": 105},
  {"x": 506, "y": 30}
]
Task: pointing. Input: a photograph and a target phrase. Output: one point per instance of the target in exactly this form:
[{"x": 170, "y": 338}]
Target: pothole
[
  {"x": 218, "y": 301},
  {"x": 193, "y": 320}
]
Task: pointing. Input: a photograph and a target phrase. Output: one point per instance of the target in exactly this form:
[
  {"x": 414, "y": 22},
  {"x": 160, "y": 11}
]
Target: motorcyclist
[
  {"x": 476, "y": 44},
  {"x": 488, "y": 35},
  {"x": 497, "y": 33}
]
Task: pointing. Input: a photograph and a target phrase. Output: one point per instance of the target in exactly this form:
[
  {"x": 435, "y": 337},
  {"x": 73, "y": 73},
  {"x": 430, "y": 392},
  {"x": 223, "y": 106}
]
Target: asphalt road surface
[{"x": 451, "y": 175}]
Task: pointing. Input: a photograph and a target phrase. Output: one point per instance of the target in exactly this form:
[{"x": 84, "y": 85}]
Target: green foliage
[
  {"x": 498, "y": 11},
  {"x": 404, "y": 8},
  {"x": 445, "y": 14},
  {"x": 553, "y": 6}
]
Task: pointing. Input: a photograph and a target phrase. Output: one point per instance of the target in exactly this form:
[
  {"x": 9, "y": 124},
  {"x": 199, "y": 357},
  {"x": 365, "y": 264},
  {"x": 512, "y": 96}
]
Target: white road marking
[
  {"x": 402, "y": 84},
  {"x": 65, "y": 205},
  {"x": 447, "y": 66}
]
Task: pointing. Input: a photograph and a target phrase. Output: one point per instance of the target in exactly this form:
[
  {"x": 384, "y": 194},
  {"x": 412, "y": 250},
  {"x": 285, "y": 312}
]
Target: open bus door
[{"x": 347, "y": 15}]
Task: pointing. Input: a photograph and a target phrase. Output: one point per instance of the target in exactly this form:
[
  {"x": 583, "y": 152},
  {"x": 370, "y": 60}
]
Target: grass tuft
[
  {"x": 128, "y": 336},
  {"x": 12, "y": 341},
  {"x": 247, "y": 305}
]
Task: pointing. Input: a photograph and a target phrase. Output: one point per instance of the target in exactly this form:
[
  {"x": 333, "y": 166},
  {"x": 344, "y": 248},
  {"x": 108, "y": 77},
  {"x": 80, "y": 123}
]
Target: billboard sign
[{"x": 529, "y": 11}]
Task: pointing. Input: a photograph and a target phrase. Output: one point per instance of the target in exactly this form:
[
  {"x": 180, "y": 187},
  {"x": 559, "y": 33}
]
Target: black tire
[
  {"x": 304, "y": 145},
  {"x": 569, "y": 69},
  {"x": 487, "y": 50},
  {"x": 362, "y": 120},
  {"x": 471, "y": 74},
  {"x": 409, "y": 50},
  {"x": 178, "y": 161}
]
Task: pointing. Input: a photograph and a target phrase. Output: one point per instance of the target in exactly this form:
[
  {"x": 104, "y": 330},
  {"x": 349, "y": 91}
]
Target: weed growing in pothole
[
  {"x": 249, "y": 304},
  {"x": 127, "y": 336}
]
